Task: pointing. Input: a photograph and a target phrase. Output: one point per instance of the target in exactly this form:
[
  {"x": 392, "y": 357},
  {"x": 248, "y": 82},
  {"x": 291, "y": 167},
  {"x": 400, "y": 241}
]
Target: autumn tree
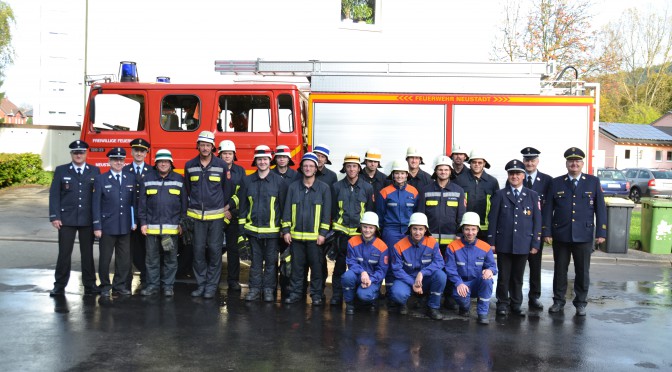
[{"x": 6, "y": 50}]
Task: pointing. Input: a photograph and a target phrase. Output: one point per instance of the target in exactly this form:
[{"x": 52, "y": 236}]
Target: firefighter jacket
[
  {"x": 289, "y": 176},
  {"x": 444, "y": 207},
  {"x": 420, "y": 180},
  {"x": 307, "y": 210},
  {"x": 163, "y": 203},
  {"x": 515, "y": 224},
  {"x": 575, "y": 214},
  {"x": 237, "y": 175},
  {"x": 368, "y": 256},
  {"x": 378, "y": 181},
  {"x": 478, "y": 193},
  {"x": 70, "y": 195},
  {"x": 208, "y": 188},
  {"x": 410, "y": 258},
  {"x": 349, "y": 204},
  {"x": 395, "y": 205},
  {"x": 466, "y": 261},
  {"x": 113, "y": 203},
  {"x": 327, "y": 176},
  {"x": 261, "y": 205}
]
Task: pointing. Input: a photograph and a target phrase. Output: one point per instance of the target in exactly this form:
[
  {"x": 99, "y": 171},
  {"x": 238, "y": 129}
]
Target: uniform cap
[
  {"x": 117, "y": 152},
  {"x": 228, "y": 145},
  {"x": 412, "y": 151},
  {"x": 476, "y": 154},
  {"x": 398, "y": 166},
  {"x": 369, "y": 218},
  {"x": 163, "y": 154},
  {"x": 514, "y": 165},
  {"x": 322, "y": 149},
  {"x": 283, "y": 150},
  {"x": 206, "y": 136},
  {"x": 140, "y": 143},
  {"x": 78, "y": 145},
  {"x": 471, "y": 218},
  {"x": 573, "y": 153},
  {"x": 457, "y": 149},
  {"x": 374, "y": 155},
  {"x": 261, "y": 151},
  {"x": 530, "y": 153}
]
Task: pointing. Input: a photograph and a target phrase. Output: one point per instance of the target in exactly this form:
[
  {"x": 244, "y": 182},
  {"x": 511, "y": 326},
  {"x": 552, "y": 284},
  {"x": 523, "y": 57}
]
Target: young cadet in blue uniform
[
  {"x": 417, "y": 177},
  {"x": 539, "y": 182},
  {"x": 417, "y": 265},
  {"x": 162, "y": 206},
  {"x": 367, "y": 261},
  {"x": 262, "y": 198},
  {"x": 305, "y": 223},
  {"x": 575, "y": 208},
  {"x": 209, "y": 188},
  {"x": 478, "y": 187},
  {"x": 282, "y": 159},
  {"x": 514, "y": 232},
  {"x": 370, "y": 172},
  {"x": 70, "y": 214},
  {"x": 227, "y": 152},
  {"x": 114, "y": 206},
  {"x": 138, "y": 168},
  {"x": 352, "y": 196},
  {"x": 444, "y": 204},
  {"x": 470, "y": 265},
  {"x": 394, "y": 206}
]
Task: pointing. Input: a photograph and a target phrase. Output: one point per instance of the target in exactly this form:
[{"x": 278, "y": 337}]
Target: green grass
[{"x": 635, "y": 228}]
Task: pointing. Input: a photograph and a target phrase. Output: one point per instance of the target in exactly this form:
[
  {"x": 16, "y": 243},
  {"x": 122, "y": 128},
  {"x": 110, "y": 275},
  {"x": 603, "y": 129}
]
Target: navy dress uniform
[
  {"x": 70, "y": 205},
  {"x": 539, "y": 182},
  {"x": 114, "y": 205},
  {"x": 577, "y": 213},
  {"x": 514, "y": 231},
  {"x": 138, "y": 241}
]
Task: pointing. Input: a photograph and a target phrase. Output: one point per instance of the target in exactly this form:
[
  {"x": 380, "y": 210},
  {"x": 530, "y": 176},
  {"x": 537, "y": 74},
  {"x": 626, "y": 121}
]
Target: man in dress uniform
[
  {"x": 514, "y": 232},
  {"x": 70, "y": 213},
  {"x": 578, "y": 216},
  {"x": 139, "y": 149},
  {"x": 113, "y": 208},
  {"x": 539, "y": 182}
]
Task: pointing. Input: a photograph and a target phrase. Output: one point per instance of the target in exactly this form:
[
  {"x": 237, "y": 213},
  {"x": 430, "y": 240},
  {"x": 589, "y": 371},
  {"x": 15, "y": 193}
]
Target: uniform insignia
[
  {"x": 385, "y": 259},
  {"x": 538, "y": 179},
  {"x": 603, "y": 226},
  {"x": 67, "y": 186},
  {"x": 108, "y": 186}
]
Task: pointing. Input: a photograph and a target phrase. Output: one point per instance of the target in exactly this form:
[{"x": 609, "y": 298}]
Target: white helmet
[
  {"x": 261, "y": 151},
  {"x": 476, "y": 154},
  {"x": 457, "y": 149},
  {"x": 412, "y": 151},
  {"x": 443, "y": 160},
  {"x": 471, "y": 218},
  {"x": 227, "y": 145},
  {"x": 206, "y": 136},
  {"x": 369, "y": 218},
  {"x": 418, "y": 218},
  {"x": 398, "y": 166},
  {"x": 163, "y": 154}
]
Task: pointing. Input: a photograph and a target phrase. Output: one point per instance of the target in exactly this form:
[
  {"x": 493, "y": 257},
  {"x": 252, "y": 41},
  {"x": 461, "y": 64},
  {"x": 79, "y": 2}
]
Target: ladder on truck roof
[{"x": 406, "y": 77}]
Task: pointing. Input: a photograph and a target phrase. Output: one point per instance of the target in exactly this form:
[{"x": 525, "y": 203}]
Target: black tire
[{"x": 635, "y": 195}]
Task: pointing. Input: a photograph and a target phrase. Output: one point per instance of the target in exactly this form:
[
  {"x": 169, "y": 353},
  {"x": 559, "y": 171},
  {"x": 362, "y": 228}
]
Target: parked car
[
  {"x": 649, "y": 182},
  {"x": 613, "y": 182}
]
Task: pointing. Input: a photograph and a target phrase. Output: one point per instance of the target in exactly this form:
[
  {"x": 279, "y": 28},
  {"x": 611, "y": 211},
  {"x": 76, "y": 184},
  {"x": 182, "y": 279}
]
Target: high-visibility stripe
[
  {"x": 487, "y": 212},
  {"x": 444, "y": 238},
  {"x": 194, "y": 169},
  {"x": 163, "y": 183},
  {"x": 272, "y": 217},
  {"x": 431, "y": 203},
  {"x": 194, "y": 178},
  {"x": 215, "y": 178},
  {"x": 162, "y": 229},
  {"x": 216, "y": 169},
  {"x": 318, "y": 209},
  {"x": 206, "y": 215},
  {"x": 352, "y": 231},
  {"x": 174, "y": 191},
  {"x": 262, "y": 230},
  {"x": 152, "y": 191}
]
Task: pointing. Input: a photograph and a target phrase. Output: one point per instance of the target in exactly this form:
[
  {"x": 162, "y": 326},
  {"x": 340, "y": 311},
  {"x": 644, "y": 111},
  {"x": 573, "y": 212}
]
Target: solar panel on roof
[{"x": 635, "y": 131}]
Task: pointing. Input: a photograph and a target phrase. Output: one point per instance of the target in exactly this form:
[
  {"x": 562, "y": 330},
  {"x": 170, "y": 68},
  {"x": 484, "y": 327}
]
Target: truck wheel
[{"x": 635, "y": 195}]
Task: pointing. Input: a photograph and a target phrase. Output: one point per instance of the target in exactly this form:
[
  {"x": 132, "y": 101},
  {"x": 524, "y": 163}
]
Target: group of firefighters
[{"x": 430, "y": 236}]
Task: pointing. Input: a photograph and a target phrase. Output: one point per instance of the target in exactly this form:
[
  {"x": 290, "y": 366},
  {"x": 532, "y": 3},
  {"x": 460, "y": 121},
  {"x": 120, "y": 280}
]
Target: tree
[
  {"x": 6, "y": 50},
  {"x": 640, "y": 113}
]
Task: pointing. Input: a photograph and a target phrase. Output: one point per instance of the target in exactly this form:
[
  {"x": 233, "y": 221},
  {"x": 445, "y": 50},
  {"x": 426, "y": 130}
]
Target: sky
[{"x": 118, "y": 31}]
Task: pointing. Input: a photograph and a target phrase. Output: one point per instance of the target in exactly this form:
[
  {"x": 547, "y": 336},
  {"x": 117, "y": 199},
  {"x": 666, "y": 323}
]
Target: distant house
[
  {"x": 636, "y": 145},
  {"x": 10, "y": 113},
  {"x": 664, "y": 122}
]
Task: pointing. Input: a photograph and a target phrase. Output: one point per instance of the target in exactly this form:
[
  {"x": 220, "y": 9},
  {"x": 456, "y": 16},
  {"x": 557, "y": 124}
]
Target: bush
[{"x": 21, "y": 168}]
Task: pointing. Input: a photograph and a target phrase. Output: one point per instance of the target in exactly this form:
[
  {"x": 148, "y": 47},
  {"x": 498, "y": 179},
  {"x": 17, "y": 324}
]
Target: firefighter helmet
[
  {"x": 470, "y": 218},
  {"x": 369, "y": 218},
  {"x": 207, "y": 137}
]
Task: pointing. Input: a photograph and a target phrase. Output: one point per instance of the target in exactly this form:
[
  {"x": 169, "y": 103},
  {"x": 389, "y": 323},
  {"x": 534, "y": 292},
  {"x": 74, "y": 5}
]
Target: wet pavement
[{"x": 627, "y": 327}]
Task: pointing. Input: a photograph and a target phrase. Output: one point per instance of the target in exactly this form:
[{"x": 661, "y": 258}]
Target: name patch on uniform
[
  {"x": 67, "y": 178},
  {"x": 108, "y": 186}
]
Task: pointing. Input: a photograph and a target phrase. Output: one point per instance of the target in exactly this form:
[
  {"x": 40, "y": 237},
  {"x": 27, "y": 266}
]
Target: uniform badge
[
  {"x": 385, "y": 260},
  {"x": 591, "y": 201},
  {"x": 67, "y": 186}
]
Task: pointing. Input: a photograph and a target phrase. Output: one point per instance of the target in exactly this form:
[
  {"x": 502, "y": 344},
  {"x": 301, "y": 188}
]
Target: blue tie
[
  {"x": 515, "y": 193},
  {"x": 118, "y": 179},
  {"x": 575, "y": 182}
]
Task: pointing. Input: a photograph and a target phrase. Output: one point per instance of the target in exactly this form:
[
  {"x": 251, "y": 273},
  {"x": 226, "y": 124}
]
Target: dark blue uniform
[
  {"x": 378, "y": 181},
  {"x": 138, "y": 240},
  {"x": 514, "y": 229},
  {"x": 575, "y": 215},
  {"x": 231, "y": 228},
  {"x": 540, "y": 183},
  {"x": 478, "y": 193},
  {"x": 70, "y": 202},
  {"x": 113, "y": 208}
]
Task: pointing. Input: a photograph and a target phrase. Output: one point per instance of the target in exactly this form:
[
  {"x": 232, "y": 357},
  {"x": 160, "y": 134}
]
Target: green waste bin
[
  {"x": 619, "y": 214},
  {"x": 657, "y": 225}
]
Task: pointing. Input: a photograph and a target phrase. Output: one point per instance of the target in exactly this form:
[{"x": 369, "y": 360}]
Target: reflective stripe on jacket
[
  {"x": 349, "y": 204},
  {"x": 209, "y": 188},
  {"x": 307, "y": 210},
  {"x": 477, "y": 192},
  {"x": 444, "y": 208},
  {"x": 261, "y": 204},
  {"x": 163, "y": 203}
]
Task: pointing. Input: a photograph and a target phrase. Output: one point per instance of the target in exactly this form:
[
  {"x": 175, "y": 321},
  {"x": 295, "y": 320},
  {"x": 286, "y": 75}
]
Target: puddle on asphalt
[{"x": 632, "y": 315}]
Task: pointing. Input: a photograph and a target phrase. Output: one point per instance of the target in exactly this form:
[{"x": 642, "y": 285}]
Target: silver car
[{"x": 649, "y": 182}]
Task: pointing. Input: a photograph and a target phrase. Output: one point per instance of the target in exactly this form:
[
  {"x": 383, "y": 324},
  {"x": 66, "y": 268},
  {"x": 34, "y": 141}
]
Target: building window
[
  {"x": 659, "y": 155},
  {"x": 669, "y": 156},
  {"x": 627, "y": 154}
]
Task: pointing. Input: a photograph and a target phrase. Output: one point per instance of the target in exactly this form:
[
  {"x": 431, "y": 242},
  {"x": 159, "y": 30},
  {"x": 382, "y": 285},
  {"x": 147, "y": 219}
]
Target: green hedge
[{"x": 21, "y": 168}]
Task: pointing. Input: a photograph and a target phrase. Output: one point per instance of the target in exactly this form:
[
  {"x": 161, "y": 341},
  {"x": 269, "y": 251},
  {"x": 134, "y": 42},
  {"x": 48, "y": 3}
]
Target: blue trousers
[
  {"x": 264, "y": 263},
  {"x": 155, "y": 271},
  {"x": 432, "y": 284},
  {"x": 391, "y": 236},
  {"x": 208, "y": 238},
  {"x": 480, "y": 286},
  {"x": 352, "y": 284}
]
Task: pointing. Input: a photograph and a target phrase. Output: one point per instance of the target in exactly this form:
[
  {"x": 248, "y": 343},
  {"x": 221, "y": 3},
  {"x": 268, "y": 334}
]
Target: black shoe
[
  {"x": 483, "y": 319},
  {"x": 105, "y": 293},
  {"x": 149, "y": 291},
  {"x": 292, "y": 299},
  {"x": 349, "y": 308},
  {"x": 434, "y": 313},
  {"x": 535, "y": 304},
  {"x": 235, "y": 286},
  {"x": 502, "y": 311},
  {"x": 121, "y": 292},
  {"x": 317, "y": 301},
  {"x": 403, "y": 309},
  {"x": 336, "y": 301},
  {"x": 556, "y": 308},
  {"x": 168, "y": 292},
  {"x": 464, "y": 312},
  {"x": 580, "y": 311},
  {"x": 518, "y": 312},
  {"x": 91, "y": 291},
  {"x": 198, "y": 292},
  {"x": 269, "y": 295},
  {"x": 209, "y": 294},
  {"x": 253, "y": 295},
  {"x": 57, "y": 292}
]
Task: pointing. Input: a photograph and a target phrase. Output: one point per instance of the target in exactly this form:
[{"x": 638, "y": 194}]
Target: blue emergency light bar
[
  {"x": 128, "y": 71},
  {"x": 163, "y": 79}
]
